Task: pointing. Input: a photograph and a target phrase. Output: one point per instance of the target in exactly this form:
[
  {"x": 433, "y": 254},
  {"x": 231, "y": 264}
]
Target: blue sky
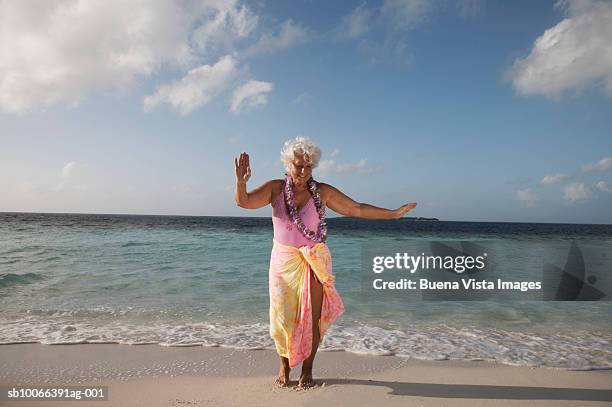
[{"x": 477, "y": 110}]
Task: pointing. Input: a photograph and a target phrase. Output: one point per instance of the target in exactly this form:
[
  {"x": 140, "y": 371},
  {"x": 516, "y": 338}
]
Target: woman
[{"x": 303, "y": 299}]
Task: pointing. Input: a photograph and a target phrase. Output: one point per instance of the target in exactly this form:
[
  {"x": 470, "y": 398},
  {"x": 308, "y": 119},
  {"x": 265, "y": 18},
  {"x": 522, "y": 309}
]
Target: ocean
[{"x": 203, "y": 281}]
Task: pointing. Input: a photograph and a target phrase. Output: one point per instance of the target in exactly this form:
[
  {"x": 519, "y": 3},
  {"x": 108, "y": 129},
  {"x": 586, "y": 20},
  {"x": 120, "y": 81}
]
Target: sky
[{"x": 477, "y": 110}]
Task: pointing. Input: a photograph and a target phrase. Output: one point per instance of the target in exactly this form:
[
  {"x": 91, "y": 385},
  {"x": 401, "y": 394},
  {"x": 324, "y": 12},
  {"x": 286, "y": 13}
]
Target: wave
[
  {"x": 576, "y": 350},
  {"x": 12, "y": 279}
]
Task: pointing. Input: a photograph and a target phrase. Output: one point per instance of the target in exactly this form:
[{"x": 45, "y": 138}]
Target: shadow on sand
[{"x": 479, "y": 391}]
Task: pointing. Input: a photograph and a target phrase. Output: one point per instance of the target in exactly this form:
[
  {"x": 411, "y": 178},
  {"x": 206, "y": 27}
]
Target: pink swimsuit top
[{"x": 285, "y": 232}]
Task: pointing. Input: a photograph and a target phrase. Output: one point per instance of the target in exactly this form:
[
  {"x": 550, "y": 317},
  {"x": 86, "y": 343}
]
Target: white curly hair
[{"x": 300, "y": 145}]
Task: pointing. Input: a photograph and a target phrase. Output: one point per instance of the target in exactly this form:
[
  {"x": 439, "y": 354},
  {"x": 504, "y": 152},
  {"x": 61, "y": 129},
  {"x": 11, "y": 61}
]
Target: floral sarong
[{"x": 290, "y": 307}]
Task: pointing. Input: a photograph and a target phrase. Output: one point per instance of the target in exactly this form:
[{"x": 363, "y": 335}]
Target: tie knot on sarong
[{"x": 318, "y": 258}]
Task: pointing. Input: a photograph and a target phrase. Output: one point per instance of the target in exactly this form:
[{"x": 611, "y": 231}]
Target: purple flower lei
[{"x": 321, "y": 234}]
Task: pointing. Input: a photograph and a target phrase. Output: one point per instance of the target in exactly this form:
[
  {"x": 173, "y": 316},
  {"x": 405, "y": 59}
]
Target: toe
[{"x": 280, "y": 382}]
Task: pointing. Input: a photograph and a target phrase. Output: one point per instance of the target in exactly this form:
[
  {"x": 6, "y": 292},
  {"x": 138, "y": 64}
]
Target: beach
[
  {"x": 163, "y": 312},
  {"x": 154, "y": 375}
]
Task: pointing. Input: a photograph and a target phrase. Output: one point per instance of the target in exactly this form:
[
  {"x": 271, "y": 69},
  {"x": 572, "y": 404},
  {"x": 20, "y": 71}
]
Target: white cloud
[
  {"x": 61, "y": 51},
  {"x": 602, "y": 165},
  {"x": 251, "y": 94},
  {"x": 552, "y": 179},
  {"x": 327, "y": 167},
  {"x": 602, "y": 186},
  {"x": 573, "y": 54},
  {"x": 227, "y": 24},
  {"x": 197, "y": 88},
  {"x": 356, "y": 23},
  {"x": 406, "y": 14},
  {"x": 527, "y": 195},
  {"x": 68, "y": 169},
  {"x": 396, "y": 18},
  {"x": 290, "y": 34},
  {"x": 576, "y": 192}
]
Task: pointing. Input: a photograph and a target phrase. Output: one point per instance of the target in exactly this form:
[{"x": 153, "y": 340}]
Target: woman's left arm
[{"x": 344, "y": 205}]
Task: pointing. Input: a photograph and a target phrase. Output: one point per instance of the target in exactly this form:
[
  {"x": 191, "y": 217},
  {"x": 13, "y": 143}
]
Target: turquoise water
[{"x": 186, "y": 281}]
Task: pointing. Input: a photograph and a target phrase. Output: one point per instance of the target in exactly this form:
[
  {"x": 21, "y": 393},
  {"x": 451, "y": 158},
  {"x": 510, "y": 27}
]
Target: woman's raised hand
[
  {"x": 402, "y": 210},
  {"x": 243, "y": 168}
]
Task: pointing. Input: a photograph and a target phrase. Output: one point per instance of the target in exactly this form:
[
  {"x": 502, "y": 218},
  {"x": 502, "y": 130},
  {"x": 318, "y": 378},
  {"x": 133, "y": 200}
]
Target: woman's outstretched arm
[
  {"x": 257, "y": 198},
  {"x": 344, "y": 205}
]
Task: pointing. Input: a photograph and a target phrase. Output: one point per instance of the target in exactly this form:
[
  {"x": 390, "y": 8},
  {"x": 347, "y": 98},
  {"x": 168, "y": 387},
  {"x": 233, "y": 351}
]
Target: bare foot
[
  {"x": 281, "y": 382},
  {"x": 306, "y": 378},
  {"x": 283, "y": 377},
  {"x": 306, "y": 382}
]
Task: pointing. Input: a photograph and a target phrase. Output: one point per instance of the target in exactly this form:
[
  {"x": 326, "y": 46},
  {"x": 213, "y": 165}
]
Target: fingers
[
  {"x": 243, "y": 159},
  {"x": 402, "y": 210},
  {"x": 409, "y": 206}
]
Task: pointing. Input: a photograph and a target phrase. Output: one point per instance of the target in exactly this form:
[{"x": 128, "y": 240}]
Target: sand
[{"x": 153, "y": 375}]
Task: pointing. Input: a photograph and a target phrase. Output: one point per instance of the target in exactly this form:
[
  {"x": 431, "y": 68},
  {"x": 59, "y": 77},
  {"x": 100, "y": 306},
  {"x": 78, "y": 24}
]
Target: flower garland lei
[{"x": 321, "y": 234}]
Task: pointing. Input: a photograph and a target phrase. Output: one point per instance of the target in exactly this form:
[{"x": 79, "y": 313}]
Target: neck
[{"x": 299, "y": 188}]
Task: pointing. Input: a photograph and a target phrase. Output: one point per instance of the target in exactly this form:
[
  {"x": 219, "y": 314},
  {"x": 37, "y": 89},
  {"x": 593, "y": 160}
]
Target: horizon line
[{"x": 425, "y": 219}]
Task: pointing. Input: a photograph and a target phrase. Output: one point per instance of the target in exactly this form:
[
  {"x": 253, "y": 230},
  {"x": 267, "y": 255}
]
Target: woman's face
[{"x": 301, "y": 169}]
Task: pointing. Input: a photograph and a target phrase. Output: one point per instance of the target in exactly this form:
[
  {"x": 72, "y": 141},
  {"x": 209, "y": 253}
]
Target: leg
[
  {"x": 283, "y": 374},
  {"x": 316, "y": 301}
]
